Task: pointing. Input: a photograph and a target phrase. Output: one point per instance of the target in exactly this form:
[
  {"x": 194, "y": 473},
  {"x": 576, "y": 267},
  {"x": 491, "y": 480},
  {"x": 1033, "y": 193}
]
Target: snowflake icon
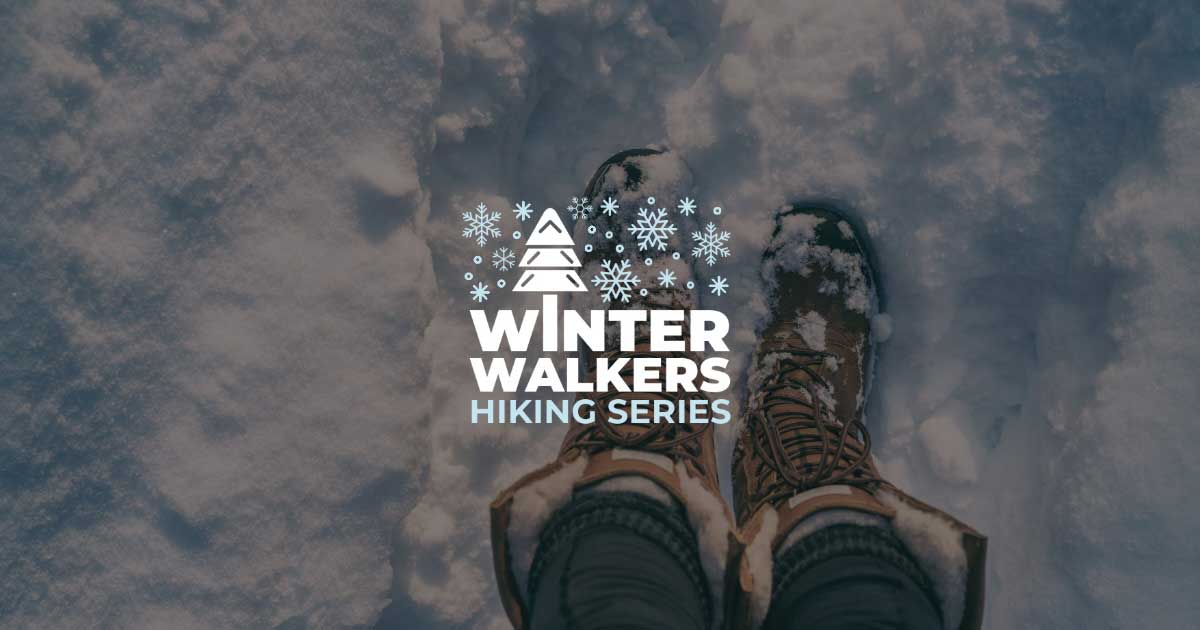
[
  {"x": 523, "y": 211},
  {"x": 480, "y": 292},
  {"x": 481, "y": 225},
  {"x": 579, "y": 208},
  {"x": 711, "y": 244},
  {"x": 719, "y": 285},
  {"x": 503, "y": 259},
  {"x": 616, "y": 281},
  {"x": 652, "y": 229},
  {"x": 687, "y": 206},
  {"x": 609, "y": 207},
  {"x": 666, "y": 278}
]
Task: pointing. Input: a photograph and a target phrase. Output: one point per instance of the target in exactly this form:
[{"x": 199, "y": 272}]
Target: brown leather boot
[
  {"x": 673, "y": 462},
  {"x": 802, "y": 459}
]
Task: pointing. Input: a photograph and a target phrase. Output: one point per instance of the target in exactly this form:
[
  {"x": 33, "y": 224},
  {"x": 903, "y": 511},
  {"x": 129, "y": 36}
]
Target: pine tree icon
[{"x": 549, "y": 258}]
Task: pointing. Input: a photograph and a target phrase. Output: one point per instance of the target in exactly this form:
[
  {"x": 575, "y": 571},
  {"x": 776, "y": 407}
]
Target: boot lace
[
  {"x": 798, "y": 441},
  {"x": 677, "y": 440}
]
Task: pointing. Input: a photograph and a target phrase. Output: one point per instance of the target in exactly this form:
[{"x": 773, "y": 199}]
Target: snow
[
  {"x": 234, "y": 310},
  {"x": 948, "y": 450},
  {"x": 797, "y": 252},
  {"x": 811, "y": 328},
  {"x": 881, "y": 327}
]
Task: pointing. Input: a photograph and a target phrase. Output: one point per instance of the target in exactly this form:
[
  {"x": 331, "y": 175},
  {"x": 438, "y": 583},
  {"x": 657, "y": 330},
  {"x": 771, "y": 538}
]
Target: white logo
[{"x": 550, "y": 261}]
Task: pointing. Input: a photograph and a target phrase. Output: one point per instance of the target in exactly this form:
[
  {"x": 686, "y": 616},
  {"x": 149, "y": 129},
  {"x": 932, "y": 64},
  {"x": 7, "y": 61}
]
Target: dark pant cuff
[
  {"x": 602, "y": 530},
  {"x": 867, "y": 569}
]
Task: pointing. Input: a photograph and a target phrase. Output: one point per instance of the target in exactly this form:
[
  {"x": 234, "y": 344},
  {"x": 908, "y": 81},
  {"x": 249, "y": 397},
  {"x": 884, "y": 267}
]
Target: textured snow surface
[{"x": 233, "y": 309}]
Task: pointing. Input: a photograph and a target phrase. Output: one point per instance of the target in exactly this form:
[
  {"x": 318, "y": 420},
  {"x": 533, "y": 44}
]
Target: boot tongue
[
  {"x": 839, "y": 348},
  {"x": 813, "y": 366}
]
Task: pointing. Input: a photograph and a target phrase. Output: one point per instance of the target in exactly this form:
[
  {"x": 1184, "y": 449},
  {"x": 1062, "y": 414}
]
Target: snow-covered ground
[{"x": 234, "y": 315}]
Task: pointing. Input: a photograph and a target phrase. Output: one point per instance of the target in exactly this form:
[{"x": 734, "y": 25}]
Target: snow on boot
[
  {"x": 674, "y": 463},
  {"x": 802, "y": 461}
]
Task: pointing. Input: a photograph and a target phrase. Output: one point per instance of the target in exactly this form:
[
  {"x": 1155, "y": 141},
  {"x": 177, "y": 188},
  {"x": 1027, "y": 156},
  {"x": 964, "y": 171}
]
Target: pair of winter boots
[{"x": 802, "y": 458}]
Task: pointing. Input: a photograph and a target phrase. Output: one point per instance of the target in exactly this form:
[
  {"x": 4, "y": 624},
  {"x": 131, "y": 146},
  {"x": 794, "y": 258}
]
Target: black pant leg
[
  {"x": 853, "y": 592},
  {"x": 624, "y": 562},
  {"x": 851, "y": 578}
]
